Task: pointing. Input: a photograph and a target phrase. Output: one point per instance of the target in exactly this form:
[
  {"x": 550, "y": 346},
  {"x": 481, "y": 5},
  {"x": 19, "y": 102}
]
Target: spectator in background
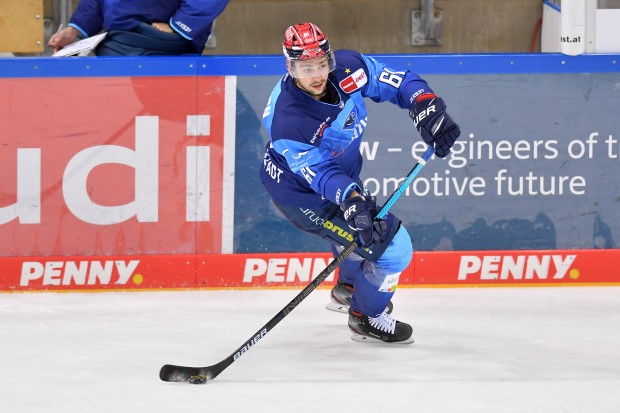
[{"x": 142, "y": 27}]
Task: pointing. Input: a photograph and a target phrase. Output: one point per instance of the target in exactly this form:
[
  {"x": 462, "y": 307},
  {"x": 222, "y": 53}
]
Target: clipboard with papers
[{"x": 81, "y": 47}]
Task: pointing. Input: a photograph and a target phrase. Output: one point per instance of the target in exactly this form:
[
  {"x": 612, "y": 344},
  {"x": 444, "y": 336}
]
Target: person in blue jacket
[
  {"x": 142, "y": 27},
  {"x": 315, "y": 118}
]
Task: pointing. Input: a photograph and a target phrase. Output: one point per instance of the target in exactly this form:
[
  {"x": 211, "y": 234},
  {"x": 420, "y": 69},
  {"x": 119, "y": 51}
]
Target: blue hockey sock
[
  {"x": 374, "y": 289},
  {"x": 350, "y": 268}
]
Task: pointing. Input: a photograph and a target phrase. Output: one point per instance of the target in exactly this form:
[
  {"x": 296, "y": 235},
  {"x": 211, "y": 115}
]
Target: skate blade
[
  {"x": 343, "y": 308},
  {"x": 366, "y": 339},
  {"x": 339, "y": 308}
]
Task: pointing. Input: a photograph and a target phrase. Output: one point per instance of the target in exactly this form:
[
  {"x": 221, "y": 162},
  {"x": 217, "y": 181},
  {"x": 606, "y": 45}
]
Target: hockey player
[{"x": 315, "y": 118}]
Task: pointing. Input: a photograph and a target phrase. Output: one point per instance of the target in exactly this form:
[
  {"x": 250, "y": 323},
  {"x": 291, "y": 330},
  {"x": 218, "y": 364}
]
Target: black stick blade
[{"x": 182, "y": 374}]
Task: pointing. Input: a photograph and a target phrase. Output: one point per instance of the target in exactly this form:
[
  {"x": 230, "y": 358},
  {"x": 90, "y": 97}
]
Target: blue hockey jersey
[
  {"x": 192, "y": 19},
  {"x": 313, "y": 156}
]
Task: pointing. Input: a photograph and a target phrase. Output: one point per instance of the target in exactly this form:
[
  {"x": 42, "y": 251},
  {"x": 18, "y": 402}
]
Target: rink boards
[
  {"x": 428, "y": 269},
  {"x": 143, "y": 174}
]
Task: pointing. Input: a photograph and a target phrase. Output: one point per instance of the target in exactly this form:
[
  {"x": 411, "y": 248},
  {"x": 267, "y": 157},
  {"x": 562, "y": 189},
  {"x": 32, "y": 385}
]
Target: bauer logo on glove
[
  {"x": 433, "y": 123},
  {"x": 426, "y": 112},
  {"x": 359, "y": 212}
]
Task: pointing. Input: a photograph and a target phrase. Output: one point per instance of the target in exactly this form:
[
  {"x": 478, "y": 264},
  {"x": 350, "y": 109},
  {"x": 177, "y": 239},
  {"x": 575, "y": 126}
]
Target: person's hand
[
  {"x": 64, "y": 37},
  {"x": 164, "y": 27},
  {"x": 435, "y": 126},
  {"x": 359, "y": 213}
]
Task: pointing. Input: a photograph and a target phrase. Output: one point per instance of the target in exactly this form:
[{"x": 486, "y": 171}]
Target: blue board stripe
[{"x": 273, "y": 65}]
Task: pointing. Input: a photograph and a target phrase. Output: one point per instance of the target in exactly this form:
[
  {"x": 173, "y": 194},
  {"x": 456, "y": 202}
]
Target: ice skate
[
  {"x": 379, "y": 329},
  {"x": 341, "y": 299}
]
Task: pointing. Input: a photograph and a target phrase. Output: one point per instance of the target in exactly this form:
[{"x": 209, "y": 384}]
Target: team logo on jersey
[
  {"x": 349, "y": 122},
  {"x": 300, "y": 154},
  {"x": 355, "y": 81}
]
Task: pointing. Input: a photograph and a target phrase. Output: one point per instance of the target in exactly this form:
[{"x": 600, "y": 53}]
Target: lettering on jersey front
[
  {"x": 272, "y": 170},
  {"x": 359, "y": 129},
  {"x": 355, "y": 81},
  {"x": 320, "y": 130}
]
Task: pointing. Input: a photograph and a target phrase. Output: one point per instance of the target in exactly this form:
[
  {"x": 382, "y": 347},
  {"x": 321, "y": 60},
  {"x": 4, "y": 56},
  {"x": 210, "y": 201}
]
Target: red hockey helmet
[{"x": 304, "y": 42}]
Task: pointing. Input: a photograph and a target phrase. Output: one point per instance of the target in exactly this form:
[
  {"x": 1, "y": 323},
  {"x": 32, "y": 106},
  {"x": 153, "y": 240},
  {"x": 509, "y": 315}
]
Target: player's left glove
[
  {"x": 435, "y": 126},
  {"x": 360, "y": 212}
]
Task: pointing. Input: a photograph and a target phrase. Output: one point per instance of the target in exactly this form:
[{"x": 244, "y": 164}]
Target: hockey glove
[
  {"x": 434, "y": 124},
  {"x": 359, "y": 214}
]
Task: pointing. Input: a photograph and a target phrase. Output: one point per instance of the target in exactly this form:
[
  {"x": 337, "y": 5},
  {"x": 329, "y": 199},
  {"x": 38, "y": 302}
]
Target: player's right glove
[
  {"x": 435, "y": 126},
  {"x": 359, "y": 213}
]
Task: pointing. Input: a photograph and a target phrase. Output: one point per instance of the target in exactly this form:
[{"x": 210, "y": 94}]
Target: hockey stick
[{"x": 200, "y": 375}]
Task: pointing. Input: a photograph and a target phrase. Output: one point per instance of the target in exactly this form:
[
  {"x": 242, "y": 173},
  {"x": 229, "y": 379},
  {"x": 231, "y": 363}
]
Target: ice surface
[{"x": 477, "y": 350}]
